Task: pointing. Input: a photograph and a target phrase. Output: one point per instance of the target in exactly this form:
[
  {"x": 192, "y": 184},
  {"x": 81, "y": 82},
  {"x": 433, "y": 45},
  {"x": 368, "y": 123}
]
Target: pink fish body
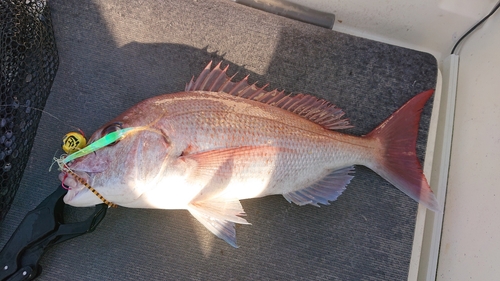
[{"x": 219, "y": 141}]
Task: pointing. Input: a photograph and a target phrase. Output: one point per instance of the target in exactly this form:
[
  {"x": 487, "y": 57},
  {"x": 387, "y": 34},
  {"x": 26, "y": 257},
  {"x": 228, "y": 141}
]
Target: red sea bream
[{"x": 219, "y": 141}]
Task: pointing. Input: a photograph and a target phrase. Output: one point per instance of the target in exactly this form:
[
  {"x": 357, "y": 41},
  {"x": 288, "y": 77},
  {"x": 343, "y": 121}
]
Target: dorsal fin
[{"x": 316, "y": 110}]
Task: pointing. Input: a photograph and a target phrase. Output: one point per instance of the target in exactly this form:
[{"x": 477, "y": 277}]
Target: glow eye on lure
[{"x": 73, "y": 141}]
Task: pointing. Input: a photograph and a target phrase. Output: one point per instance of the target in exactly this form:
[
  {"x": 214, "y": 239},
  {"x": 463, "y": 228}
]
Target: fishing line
[
  {"x": 16, "y": 106},
  {"x": 84, "y": 149}
]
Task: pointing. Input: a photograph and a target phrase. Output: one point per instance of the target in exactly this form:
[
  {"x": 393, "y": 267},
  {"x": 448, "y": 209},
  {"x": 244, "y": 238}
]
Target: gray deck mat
[{"x": 115, "y": 53}]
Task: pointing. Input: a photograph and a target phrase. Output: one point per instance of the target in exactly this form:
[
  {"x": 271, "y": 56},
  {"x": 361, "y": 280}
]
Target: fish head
[{"x": 121, "y": 171}]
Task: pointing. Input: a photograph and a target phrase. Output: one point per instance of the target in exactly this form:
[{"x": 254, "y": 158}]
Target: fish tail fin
[{"x": 397, "y": 160}]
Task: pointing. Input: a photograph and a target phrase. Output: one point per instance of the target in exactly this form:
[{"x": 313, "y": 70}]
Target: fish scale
[
  {"x": 251, "y": 127},
  {"x": 293, "y": 146},
  {"x": 311, "y": 143},
  {"x": 221, "y": 141}
]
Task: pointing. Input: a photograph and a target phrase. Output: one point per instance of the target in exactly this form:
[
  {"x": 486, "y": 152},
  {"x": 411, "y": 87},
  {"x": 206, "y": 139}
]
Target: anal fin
[
  {"x": 325, "y": 190},
  {"x": 219, "y": 216}
]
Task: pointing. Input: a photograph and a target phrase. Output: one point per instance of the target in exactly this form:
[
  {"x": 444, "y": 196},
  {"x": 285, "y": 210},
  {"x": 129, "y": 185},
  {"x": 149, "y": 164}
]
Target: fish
[{"x": 218, "y": 142}]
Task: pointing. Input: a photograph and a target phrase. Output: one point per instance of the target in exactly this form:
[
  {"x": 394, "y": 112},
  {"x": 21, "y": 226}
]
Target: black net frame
[{"x": 29, "y": 62}]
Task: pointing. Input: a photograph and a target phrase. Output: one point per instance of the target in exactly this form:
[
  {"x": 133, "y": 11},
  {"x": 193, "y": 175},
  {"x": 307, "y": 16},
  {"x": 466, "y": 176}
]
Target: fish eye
[{"x": 112, "y": 128}]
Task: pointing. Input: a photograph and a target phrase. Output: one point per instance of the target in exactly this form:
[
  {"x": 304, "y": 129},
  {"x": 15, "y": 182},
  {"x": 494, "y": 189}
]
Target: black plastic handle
[
  {"x": 40, "y": 229},
  {"x": 37, "y": 224}
]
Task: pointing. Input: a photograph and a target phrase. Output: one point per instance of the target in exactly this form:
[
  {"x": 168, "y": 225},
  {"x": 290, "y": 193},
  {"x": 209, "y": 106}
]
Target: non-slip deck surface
[{"x": 114, "y": 54}]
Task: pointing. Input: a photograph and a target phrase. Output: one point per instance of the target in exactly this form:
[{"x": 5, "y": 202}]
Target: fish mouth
[{"x": 77, "y": 191}]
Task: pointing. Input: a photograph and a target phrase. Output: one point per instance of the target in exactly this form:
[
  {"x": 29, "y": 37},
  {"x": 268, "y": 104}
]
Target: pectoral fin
[{"x": 219, "y": 216}]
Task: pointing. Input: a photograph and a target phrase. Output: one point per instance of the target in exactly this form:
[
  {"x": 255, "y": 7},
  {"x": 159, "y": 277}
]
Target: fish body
[{"x": 220, "y": 141}]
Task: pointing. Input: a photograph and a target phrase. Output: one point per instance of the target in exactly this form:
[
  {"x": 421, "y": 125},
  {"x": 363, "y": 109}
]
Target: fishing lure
[
  {"x": 98, "y": 144},
  {"x": 75, "y": 145}
]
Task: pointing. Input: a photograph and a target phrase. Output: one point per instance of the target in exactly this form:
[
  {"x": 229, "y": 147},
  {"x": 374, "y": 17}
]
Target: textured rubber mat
[{"x": 114, "y": 54}]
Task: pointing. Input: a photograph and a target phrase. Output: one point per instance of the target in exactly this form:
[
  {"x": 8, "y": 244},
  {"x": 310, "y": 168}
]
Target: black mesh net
[{"x": 28, "y": 64}]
